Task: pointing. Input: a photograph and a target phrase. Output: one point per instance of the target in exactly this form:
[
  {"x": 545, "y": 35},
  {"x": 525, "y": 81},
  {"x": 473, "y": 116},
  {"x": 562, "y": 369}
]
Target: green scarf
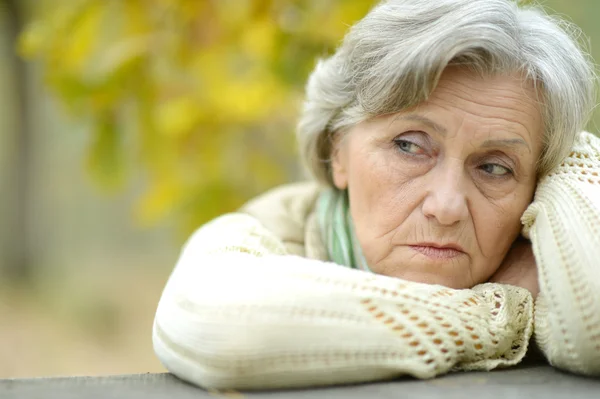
[{"x": 337, "y": 229}]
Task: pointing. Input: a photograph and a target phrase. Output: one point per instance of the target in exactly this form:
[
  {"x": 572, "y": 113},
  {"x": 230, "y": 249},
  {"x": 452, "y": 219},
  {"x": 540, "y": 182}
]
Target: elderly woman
[{"x": 451, "y": 176}]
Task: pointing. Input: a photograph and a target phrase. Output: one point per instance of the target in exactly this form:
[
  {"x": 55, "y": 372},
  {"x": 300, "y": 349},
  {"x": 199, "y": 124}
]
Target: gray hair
[{"x": 393, "y": 58}]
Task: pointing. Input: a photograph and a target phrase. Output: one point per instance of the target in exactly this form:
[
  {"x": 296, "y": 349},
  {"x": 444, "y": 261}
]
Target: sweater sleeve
[
  {"x": 563, "y": 223},
  {"x": 238, "y": 312}
]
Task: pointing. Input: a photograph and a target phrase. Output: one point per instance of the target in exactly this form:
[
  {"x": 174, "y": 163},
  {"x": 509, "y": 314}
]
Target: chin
[
  {"x": 433, "y": 280},
  {"x": 451, "y": 276}
]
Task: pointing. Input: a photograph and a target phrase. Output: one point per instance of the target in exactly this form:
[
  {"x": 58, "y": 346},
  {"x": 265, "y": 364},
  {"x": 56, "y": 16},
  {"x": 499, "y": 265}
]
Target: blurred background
[{"x": 126, "y": 124}]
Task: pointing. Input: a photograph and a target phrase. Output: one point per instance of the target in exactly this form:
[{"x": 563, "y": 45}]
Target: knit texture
[
  {"x": 252, "y": 302},
  {"x": 563, "y": 224}
]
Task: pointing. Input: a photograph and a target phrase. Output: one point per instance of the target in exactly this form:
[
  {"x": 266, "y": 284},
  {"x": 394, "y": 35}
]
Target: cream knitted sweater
[{"x": 253, "y": 302}]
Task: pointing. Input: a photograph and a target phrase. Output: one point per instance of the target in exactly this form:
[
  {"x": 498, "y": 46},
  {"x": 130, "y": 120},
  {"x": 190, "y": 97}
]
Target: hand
[{"x": 519, "y": 268}]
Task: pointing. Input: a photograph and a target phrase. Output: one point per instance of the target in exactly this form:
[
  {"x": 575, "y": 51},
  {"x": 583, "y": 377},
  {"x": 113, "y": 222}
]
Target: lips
[{"x": 438, "y": 251}]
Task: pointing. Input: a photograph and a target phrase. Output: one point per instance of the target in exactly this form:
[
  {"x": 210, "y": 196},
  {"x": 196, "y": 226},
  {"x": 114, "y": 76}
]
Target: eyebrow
[
  {"x": 505, "y": 143},
  {"x": 516, "y": 142},
  {"x": 424, "y": 120}
]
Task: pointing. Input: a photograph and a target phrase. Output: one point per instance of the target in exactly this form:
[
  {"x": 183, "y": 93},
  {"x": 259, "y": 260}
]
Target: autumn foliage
[{"x": 198, "y": 97}]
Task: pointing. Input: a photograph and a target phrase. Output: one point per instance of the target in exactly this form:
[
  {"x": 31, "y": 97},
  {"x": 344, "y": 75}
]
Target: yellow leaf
[
  {"x": 136, "y": 13},
  {"x": 80, "y": 44},
  {"x": 121, "y": 55},
  {"x": 258, "y": 39},
  {"x": 159, "y": 201},
  {"x": 105, "y": 158},
  {"x": 33, "y": 39},
  {"x": 177, "y": 117}
]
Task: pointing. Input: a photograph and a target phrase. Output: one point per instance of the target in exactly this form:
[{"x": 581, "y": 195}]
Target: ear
[{"x": 339, "y": 162}]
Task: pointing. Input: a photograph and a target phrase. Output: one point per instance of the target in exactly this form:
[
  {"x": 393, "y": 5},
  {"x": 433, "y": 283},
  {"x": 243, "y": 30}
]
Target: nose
[{"x": 446, "y": 200}]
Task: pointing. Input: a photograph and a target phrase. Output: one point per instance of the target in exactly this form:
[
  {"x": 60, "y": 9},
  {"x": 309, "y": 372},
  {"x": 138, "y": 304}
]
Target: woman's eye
[
  {"x": 408, "y": 147},
  {"x": 496, "y": 169}
]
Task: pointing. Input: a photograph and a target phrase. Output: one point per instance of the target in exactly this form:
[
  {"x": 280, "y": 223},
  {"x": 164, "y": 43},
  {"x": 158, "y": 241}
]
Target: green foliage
[{"x": 201, "y": 95}]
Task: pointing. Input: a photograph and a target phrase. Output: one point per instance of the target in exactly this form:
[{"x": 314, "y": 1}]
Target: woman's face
[{"x": 436, "y": 192}]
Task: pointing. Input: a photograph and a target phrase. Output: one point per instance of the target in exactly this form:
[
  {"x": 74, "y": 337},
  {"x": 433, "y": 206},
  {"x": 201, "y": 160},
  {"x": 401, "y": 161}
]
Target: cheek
[
  {"x": 496, "y": 228},
  {"x": 377, "y": 181},
  {"x": 378, "y": 170},
  {"x": 383, "y": 193},
  {"x": 495, "y": 232}
]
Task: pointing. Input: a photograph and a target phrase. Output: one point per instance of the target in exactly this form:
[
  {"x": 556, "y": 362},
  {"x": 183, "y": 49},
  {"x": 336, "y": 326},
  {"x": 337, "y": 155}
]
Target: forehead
[
  {"x": 495, "y": 105},
  {"x": 510, "y": 97}
]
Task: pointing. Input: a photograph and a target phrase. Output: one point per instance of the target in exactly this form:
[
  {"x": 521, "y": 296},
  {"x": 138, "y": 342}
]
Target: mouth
[{"x": 438, "y": 251}]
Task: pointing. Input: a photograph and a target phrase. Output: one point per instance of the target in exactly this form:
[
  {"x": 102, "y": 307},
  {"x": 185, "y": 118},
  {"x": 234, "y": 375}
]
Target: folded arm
[
  {"x": 238, "y": 312},
  {"x": 563, "y": 224}
]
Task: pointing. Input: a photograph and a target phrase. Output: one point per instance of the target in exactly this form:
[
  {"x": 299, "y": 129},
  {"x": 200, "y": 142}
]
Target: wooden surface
[{"x": 525, "y": 382}]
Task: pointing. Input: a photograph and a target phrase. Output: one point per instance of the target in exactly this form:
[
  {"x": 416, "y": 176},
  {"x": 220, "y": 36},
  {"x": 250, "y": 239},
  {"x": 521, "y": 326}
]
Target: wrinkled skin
[{"x": 458, "y": 171}]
